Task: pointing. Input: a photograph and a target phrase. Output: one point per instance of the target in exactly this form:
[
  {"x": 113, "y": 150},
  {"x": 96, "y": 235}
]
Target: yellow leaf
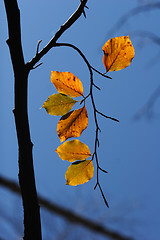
[
  {"x": 79, "y": 172},
  {"x": 72, "y": 124},
  {"x": 73, "y": 150},
  {"x": 118, "y": 53},
  {"x": 67, "y": 83},
  {"x": 58, "y": 104}
]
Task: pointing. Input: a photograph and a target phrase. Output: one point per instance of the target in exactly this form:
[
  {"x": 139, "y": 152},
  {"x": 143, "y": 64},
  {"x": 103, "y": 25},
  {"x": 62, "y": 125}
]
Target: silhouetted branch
[
  {"x": 58, "y": 34},
  {"x": 67, "y": 214},
  {"x": 102, "y": 74},
  {"x": 95, "y": 111},
  {"x": 114, "y": 119},
  {"x": 32, "y": 223},
  {"x": 82, "y": 55}
]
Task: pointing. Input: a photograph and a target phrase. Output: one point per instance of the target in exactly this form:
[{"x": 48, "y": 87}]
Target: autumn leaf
[
  {"x": 58, "y": 104},
  {"x": 79, "y": 172},
  {"x": 67, "y": 83},
  {"x": 118, "y": 53},
  {"x": 73, "y": 150},
  {"x": 72, "y": 124}
]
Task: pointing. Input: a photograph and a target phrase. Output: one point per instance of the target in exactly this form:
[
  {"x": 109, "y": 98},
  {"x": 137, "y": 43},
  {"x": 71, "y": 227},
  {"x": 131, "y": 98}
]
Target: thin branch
[
  {"x": 67, "y": 214},
  {"x": 95, "y": 111},
  {"x": 38, "y": 65},
  {"x": 114, "y": 119},
  {"x": 102, "y": 74},
  {"x": 75, "y": 48},
  {"x": 82, "y": 55},
  {"x": 38, "y": 46},
  {"x": 102, "y": 170},
  {"x": 121, "y": 21},
  {"x": 147, "y": 109},
  {"x": 104, "y": 198},
  {"x": 147, "y": 34},
  {"x": 58, "y": 34},
  {"x": 96, "y": 86}
]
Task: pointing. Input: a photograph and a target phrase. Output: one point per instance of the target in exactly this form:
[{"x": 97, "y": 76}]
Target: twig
[
  {"x": 114, "y": 119},
  {"x": 103, "y": 195},
  {"x": 58, "y": 34},
  {"x": 37, "y": 65},
  {"x": 102, "y": 74},
  {"x": 90, "y": 68},
  {"x": 38, "y": 46},
  {"x": 96, "y": 86}
]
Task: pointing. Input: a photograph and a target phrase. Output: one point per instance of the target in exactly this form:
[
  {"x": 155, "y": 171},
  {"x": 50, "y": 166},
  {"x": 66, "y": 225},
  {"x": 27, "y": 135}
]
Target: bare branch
[
  {"x": 58, "y": 34},
  {"x": 95, "y": 111},
  {"x": 67, "y": 214},
  {"x": 102, "y": 74},
  {"x": 104, "y": 198},
  {"x": 96, "y": 86},
  {"x": 38, "y": 65},
  {"x": 121, "y": 21},
  {"x": 38, "y": 46},
  {"x": 114, "y": 119}
]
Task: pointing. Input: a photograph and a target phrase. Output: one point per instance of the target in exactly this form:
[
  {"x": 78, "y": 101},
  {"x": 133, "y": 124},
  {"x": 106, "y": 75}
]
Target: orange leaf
[
  {"x": 118, "y": 53},
  {"x": 67, "y": 83},
  {"x": 73, "y": 150},
  {"x": 72, "y": 124},
  {"x": 79, "y": 172}
]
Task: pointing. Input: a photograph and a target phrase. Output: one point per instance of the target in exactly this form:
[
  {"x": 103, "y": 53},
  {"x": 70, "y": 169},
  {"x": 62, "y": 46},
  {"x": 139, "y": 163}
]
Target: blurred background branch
[{"x": 65, "y": 213}]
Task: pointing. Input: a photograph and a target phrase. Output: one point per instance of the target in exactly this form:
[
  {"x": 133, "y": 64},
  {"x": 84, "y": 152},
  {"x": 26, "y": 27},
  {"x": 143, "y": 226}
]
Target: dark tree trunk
[{"x": 32, "y": 224}]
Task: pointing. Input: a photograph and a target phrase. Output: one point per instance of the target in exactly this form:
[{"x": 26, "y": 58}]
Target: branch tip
[
  {"x": 37, "y": 66},
  {"x": 102, "y": 170},
  {"x": 37, "y": 51},
  {"x": 103, "y": 195},
  {"x": 96, "y": 86},
  {"x": 114, "y": 119},
  {"x": 95, "y": 186}
]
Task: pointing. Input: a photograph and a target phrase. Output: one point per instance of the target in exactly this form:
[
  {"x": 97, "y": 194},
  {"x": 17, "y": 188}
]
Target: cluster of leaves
[
  {"x": 118, "y": 54},
  {"x": 71, "y": 124}
]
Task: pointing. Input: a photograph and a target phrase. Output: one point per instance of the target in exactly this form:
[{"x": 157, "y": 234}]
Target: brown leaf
[
  {"x": 67, "y": 83},
  {"x": 118, "y": 53},
  {"x": 72, "y": 124}
]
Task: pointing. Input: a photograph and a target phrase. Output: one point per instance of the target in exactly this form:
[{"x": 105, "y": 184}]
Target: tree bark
[{"x": 32, "y": 224}]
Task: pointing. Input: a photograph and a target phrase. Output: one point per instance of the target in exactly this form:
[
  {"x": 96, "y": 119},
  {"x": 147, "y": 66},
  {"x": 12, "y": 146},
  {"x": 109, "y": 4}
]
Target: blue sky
[{"x": 129, "y": 150}]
